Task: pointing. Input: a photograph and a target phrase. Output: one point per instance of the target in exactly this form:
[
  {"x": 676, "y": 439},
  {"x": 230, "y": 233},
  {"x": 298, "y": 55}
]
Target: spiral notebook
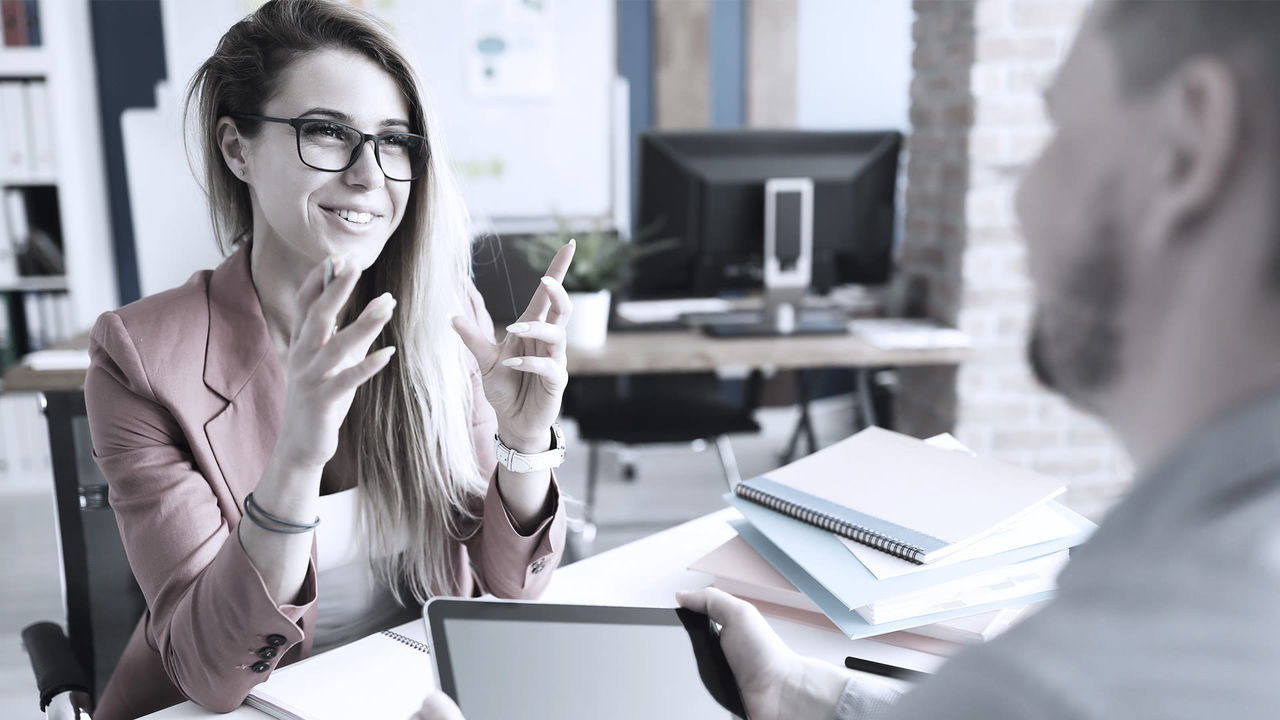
[
  {"x": 900, "y": 495},
  {"x": 351, "y": 681}
]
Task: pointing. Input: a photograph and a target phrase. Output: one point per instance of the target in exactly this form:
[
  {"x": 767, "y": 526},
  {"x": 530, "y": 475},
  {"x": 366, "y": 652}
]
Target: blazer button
[
  {"x": 261, "y": 666},
  {"x": 268, "y": 652},
  {"x": 275, "y": 640},
  {"x": 538, "y": 565}
]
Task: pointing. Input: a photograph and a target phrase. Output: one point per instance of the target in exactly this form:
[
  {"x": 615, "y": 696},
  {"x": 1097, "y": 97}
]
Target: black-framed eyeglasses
[{"x": 332, "y": 146}]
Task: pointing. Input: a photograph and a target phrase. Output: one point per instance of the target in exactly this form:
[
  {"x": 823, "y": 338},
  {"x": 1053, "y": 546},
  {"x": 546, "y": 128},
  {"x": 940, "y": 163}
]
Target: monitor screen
[{"x": 707, "y": 190}]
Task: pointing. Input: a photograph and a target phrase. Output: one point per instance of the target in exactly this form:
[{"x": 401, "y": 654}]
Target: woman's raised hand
[
  {"x": 525, "y": 375},
  {"x": 325, "y": 365}
]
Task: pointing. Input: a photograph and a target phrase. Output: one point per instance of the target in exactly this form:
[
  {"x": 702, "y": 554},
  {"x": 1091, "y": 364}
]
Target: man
[{"x": 1154, "y": 247}]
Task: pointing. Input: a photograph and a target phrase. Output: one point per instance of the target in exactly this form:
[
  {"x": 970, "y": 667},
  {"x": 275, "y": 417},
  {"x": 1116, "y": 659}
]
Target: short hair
[{"x": 1152, "y": 38}]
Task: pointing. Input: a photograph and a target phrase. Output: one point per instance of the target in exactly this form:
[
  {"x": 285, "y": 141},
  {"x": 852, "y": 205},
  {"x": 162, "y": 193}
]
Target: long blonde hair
[{"x": 410, "y": 426}]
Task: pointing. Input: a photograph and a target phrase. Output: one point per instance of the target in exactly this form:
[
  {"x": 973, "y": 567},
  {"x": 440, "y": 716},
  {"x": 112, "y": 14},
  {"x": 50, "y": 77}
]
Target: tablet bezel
[{"x": 437, "y": 610}]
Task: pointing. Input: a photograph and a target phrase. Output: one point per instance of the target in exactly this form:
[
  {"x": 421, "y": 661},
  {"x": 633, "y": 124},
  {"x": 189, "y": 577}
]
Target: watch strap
[{"x": 519, "y": 462}]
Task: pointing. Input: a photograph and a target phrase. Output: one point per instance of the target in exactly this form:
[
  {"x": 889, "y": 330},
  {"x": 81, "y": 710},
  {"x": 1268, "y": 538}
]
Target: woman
[{"x": 232, "y": 414}]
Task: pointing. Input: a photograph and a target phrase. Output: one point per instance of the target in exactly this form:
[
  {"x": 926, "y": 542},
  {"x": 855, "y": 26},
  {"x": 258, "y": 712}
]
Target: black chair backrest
[{"x": 104, "y": 602}]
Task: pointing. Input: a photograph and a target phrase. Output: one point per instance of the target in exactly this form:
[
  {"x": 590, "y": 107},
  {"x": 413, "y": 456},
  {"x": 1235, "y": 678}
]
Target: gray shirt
[{"x": 1171, "y": 609}]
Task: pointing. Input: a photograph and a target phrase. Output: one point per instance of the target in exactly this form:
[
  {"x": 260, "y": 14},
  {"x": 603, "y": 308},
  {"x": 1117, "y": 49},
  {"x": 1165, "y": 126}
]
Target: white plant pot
[{"x": 589, "y": 323}]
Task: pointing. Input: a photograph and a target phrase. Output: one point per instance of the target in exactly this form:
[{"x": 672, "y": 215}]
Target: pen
[{"x": 875, "y": 668}]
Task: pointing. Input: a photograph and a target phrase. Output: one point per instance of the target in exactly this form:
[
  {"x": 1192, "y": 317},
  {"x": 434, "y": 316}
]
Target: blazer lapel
[{"x": 241, "y": 366}]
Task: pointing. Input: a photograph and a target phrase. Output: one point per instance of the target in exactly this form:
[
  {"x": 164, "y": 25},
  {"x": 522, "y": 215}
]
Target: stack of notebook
[{"x": 882, "y": 532}]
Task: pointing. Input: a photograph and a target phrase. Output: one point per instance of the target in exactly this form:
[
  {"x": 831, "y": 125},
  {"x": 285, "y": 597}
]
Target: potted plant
[{"x": 601, "y": 265}]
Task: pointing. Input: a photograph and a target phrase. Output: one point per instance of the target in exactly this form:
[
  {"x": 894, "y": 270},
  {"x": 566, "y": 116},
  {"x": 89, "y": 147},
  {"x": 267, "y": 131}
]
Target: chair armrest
[{"x": 53, "y": 662}]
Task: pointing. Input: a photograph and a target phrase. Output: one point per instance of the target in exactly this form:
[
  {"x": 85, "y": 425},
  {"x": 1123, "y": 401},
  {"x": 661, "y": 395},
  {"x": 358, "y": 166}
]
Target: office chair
[
  {"x": 103, "y": 600},
  {"x": 650, "y": 409}
]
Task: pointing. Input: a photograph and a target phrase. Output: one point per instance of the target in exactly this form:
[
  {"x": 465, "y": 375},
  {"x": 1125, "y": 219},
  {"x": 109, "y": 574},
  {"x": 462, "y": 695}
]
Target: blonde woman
[{"x": 302, "y": 445}]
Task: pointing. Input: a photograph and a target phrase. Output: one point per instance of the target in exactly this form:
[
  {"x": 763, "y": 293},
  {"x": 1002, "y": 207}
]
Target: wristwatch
[{"x": 521, "y": 463}]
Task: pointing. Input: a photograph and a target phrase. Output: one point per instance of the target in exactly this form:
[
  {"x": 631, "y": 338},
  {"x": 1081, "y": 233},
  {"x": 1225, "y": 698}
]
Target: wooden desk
[
  {"x": 646, "y": 572},
  {"x": 644, "y": 352},
  {"x": 691, "y": 351},
  {"x": 21, "y": 378}
]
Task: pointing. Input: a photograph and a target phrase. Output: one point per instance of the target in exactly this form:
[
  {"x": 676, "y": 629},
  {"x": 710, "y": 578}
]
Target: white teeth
[{"x": 359, "y": 218}]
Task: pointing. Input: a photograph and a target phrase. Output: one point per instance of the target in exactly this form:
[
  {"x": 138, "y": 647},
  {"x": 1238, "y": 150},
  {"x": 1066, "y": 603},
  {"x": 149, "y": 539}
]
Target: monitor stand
[{"x": 788, "y": 263}]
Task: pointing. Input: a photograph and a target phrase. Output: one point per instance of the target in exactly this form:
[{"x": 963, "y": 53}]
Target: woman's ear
[{"x": 233, "y": 146}]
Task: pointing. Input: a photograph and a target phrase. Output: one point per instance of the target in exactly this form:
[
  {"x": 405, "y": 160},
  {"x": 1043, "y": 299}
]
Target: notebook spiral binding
[
  {"x": 405, "y": 639},
  {"x": 830, "y": 523}
]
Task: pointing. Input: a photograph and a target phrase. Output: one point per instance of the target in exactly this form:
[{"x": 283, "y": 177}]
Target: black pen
[{"x": 875, "y": 668}]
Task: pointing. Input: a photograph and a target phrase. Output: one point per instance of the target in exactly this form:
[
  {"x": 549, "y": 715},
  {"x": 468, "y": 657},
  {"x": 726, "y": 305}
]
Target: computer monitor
[{"x": 833, "y": 192}]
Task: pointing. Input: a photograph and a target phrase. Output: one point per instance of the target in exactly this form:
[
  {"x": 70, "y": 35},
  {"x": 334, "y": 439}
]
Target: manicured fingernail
[
  {"x": 382, "y": 306},
  {"x": 548, "y": 281},
  {"x": 385, "y": 353},
  {"x": 518, "y": 327},
  {"x": 573, "y": 242},
  {"x": 513, "y": 362}
]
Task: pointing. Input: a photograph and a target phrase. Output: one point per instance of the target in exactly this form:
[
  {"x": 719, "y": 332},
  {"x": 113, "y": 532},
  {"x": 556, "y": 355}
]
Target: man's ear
[
  {"x": 233, "y": 147},
  {"x": 1198, "y": 143}
]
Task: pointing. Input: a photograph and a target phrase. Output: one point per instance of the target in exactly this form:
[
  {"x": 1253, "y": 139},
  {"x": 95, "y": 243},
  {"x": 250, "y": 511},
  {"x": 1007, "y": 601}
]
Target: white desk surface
[{"x": 647, "y": 572}]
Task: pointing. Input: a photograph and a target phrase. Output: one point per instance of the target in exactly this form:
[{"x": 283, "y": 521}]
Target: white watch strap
[{"x": 522, "y": 463}]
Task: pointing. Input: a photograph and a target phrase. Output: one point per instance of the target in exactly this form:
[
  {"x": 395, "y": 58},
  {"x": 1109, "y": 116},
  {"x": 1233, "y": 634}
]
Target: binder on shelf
[
  {"x": 16, "y": 29},
  {"x": 34, "y": 34},
  {"x": 35, "y": 331},
  {"x": 17, "y": 225},
  {"x": 15, "y": 159},
  {"x": 901, "y": 495},
  {"x": 40, "y": 129}
]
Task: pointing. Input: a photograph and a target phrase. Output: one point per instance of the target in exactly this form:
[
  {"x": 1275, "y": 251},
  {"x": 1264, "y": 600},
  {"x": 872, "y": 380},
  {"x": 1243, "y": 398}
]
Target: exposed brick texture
[{"x": 979, "y": 65}]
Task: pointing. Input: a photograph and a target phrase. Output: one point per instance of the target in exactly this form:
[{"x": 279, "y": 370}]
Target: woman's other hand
[
  {"x": 325, "y": 365},
  {"x": 525, "y": 375}
]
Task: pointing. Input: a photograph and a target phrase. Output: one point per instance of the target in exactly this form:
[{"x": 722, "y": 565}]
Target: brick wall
[{"x": 979, "y": 66}]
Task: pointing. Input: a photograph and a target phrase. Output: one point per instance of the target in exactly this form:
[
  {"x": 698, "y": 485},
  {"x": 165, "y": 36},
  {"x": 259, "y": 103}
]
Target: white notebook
[
  {"x": 373, "y": 677},
  {"x": 900, "y": 495}
]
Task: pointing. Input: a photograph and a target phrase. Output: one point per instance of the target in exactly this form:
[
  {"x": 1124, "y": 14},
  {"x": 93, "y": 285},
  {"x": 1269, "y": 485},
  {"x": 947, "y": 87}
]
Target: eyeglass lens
[{"x": 332, "y": 146}]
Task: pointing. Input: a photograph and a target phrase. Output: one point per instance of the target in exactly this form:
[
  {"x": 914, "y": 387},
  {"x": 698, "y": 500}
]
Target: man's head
[{"x": 1148, "y": 205}]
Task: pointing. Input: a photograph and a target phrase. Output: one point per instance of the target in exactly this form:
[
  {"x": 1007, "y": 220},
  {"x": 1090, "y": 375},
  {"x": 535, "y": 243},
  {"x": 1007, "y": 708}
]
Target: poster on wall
[{"x": 511, "y": 49}]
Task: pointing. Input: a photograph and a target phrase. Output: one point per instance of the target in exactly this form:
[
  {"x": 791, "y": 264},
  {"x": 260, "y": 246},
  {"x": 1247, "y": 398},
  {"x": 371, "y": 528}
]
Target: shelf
[
  {"x": 35, "y": 284},
  {"x": 28, "y": 181},
  {"x": 22, "y": 62}
]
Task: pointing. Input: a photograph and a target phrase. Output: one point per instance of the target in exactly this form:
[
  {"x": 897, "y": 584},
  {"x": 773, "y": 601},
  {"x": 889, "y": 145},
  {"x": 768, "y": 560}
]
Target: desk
[
  {"x": 646, "y": 572},
  {"x": 644, "y": 352},
  {"x": 691, "y": 351}
]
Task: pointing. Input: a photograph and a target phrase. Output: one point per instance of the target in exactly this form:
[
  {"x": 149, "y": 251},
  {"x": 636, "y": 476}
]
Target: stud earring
[{"x": 241, "y": 172}]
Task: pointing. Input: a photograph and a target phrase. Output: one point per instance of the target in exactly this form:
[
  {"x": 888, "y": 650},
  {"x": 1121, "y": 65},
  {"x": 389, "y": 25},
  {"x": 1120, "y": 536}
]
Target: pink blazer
[{"x": 185, "y": 394}]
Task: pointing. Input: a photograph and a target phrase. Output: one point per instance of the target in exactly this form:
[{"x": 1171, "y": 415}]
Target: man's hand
[
  {"x": 438, "y": 706},
  {"x": 776, "y": 683}
]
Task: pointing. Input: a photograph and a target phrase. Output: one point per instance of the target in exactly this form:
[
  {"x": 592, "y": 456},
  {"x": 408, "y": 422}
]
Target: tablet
[{"x": 505, "y": 659}]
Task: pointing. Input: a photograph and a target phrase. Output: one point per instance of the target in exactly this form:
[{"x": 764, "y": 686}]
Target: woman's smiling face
[{"x": 303, "y": 215}]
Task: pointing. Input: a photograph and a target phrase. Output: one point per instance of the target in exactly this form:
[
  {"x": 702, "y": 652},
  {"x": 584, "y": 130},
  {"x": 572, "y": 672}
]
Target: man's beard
[{"x": 1075, "y": 343}]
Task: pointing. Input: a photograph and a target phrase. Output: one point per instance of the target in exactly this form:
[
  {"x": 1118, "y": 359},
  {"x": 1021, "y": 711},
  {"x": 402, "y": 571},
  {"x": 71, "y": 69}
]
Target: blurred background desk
[{"x": 690, "y": 351}]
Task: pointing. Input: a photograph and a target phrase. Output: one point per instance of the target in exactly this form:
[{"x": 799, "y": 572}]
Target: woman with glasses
[{"x": 305, "y": 443}]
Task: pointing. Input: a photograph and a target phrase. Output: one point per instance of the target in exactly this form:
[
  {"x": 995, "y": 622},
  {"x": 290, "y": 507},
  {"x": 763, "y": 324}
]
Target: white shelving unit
[{"x": 64, "y": 62}]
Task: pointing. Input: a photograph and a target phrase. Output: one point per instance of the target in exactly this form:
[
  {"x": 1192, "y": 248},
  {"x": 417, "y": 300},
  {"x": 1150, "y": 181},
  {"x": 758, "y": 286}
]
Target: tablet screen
[{"x": 524, "y": 660}]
